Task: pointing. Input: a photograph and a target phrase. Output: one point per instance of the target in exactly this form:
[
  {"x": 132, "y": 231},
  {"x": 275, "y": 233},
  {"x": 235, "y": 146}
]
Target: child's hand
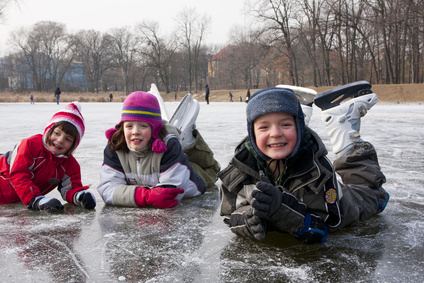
[
  {"x": 85, "y": 199},
  {"x": 246, "y": 224},
  {"x": 266, "y": 200},
  {"x": 157, "y": 196},
  {"x": 45, "y": 203},
  {"x": 256, "y": 225}
]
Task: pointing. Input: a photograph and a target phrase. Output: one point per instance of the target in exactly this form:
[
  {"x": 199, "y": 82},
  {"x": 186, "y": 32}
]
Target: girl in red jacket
[{"x": 40, "y": 163}]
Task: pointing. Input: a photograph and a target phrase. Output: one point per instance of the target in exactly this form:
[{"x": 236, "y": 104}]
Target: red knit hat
[
  {"x": 143, "y": 107},
  {"x": 72, "y": 114}
]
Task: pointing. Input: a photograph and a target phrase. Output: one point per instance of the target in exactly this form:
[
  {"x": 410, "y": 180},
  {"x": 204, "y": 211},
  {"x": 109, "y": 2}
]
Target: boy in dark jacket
[{"x": 281, "y": 180}]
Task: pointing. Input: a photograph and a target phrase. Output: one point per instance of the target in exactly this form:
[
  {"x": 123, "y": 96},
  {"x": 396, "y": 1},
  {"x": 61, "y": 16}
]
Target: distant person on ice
[
  {"x": 207, "y": 93},
  {"x": 144, "y": 164},
  {"x": 57, "y": 95},
  {"x": 40, "y": 163},
  {"x": 281, "y": 180},
  {"x": 31, "y": 98}
]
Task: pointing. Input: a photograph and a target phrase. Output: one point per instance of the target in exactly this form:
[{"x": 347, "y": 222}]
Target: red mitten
[{"x": 157, "y": 196}]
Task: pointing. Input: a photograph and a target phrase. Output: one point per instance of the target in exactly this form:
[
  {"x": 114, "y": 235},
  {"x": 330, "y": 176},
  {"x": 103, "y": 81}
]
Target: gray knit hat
[{"x": 271, "y": 100}]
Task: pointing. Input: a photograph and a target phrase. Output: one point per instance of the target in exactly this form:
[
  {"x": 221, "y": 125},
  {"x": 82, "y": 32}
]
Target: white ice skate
[
  {"x": 306, "y": 97},
  {"x": 184, "y": 119},
  {"x": 343, "y": 120},
  {"x": 154, "y": 90}
]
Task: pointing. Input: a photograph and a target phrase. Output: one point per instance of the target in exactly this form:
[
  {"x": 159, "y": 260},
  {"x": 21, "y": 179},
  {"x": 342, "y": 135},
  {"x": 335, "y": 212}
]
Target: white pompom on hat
[{"x": 72, "y": 114}]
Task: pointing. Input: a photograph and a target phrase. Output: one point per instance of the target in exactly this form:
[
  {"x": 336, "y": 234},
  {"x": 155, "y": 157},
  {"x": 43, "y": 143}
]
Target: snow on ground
[{"x": 190, "y": 243}]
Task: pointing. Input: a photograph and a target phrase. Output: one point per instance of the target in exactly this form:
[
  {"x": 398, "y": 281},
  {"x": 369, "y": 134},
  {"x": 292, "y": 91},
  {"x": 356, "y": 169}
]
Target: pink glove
[{"x": 157, "y": 196}]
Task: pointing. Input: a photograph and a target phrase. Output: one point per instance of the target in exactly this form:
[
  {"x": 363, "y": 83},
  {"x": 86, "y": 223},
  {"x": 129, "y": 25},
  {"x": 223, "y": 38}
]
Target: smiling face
[
  {"x": 275, "y": 134},
  {"x": 59, "y": 142},
  {"x": 137, "y": 134}
]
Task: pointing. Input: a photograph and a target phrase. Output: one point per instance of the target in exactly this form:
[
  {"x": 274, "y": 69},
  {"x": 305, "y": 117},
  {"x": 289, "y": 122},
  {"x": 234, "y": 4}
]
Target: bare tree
[
  {"x": 22, "y": 40},
  {"x": 94, "y": 53},
  {"x": 48, "y": 52},
  {"x": 124, "y": 49},
  {"x": 57, "y": 45},
  {"x": 277, "y": 15},
  {"x": 249, "y": 53},
  {"x": 192, "y": 28},
  {"x": 308, "y": 25},
  {"x": 4, "y": 4},
  {"x": 159, "y": 51}
]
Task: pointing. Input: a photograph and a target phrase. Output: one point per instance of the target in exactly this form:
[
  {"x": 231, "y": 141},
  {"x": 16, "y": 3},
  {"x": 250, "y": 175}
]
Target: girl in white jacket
[{"x": 144, "y": 164}]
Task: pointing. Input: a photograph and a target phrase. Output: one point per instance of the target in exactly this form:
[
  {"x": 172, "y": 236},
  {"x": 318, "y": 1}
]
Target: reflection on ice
[{"x": 190, "y": 243}]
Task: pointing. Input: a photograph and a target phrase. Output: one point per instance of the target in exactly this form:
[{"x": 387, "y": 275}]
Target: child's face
[
  {"x": 60, "y": 142},
  {"x": 275, "y": 134},
  {"x": 137, "y": 134}
]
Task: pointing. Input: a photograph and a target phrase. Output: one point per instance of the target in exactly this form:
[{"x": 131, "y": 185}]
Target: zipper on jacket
[{"x": 138, "y": 165}]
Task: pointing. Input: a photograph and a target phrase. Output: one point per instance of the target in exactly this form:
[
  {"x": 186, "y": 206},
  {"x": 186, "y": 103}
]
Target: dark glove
[
  {"x": 291, "y": 216},
  {"x": 256, "y": 225},
  {"x": 45, "y": 203},
  {"x": 85, "y": 199},
  {"x": 266, "y": 200},
  {"x": 246, "y": 224},
  {"x": 314, "y": 230},
  {"x": 157, "y": 196}
]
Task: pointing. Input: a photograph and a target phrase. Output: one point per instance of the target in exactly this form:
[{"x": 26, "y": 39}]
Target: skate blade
[
  {"x": 186, "y": 113},
  {"x": 333, "y": 97},
  {"x": 154, "y": 90},
  {"x": 305, "y": 95}
]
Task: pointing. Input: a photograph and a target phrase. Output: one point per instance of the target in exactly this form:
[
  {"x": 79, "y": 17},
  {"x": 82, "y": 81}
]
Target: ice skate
[
  {"x": 333, "y": 97},
  {"x": 184, "y": 119},
  {"x": 343, "y": 120},
  {"x": 154, "y": 90},
  {"x": 306, "y": 97}
]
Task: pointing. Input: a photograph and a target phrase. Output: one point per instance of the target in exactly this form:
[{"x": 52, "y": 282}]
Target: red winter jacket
[{"x": 31, "y": 170}]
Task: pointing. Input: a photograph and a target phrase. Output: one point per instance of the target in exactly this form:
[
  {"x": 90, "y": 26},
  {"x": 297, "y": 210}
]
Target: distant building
[
  {"x": 16, "y": 75},
  {"x": 214, "y": 63}
]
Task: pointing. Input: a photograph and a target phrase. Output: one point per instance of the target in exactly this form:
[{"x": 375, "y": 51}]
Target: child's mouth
[{"x": 277, "y": 145}]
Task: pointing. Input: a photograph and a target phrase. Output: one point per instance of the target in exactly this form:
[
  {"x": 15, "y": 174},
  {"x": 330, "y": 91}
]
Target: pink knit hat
[
  {"x": 72, "y": 114},
  {"x": 143, "y": 107}
]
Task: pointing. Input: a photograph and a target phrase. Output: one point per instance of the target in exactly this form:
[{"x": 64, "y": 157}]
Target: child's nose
[
  {"x": 136, "y": 130},
  {"x": 276, "y": 131}
]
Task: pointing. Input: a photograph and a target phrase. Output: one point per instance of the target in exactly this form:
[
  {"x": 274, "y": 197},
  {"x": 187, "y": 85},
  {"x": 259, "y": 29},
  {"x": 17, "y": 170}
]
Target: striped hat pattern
[{"x": 72, "y": 114}]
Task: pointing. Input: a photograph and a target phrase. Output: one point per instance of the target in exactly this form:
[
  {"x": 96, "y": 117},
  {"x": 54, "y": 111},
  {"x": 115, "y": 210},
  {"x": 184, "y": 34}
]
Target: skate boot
[
  {"x": 306, "y": 97},
  {"x": 154, "y": 90},
  {"x": 307, "y": 111},
  {"x": 184, "y": 119},
  {"x": 343, "y": 120}
]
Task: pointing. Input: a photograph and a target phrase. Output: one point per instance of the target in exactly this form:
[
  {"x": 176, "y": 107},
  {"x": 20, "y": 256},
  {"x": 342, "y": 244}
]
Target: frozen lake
[{"x": 190, "y": 243}]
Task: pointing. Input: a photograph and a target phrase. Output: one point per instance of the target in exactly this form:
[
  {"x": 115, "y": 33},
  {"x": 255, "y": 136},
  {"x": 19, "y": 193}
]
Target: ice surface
[{"x": 190, "y": 243}]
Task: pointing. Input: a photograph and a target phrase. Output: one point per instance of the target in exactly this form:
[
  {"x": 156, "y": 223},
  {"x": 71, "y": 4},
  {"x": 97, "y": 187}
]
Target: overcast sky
[{"x": 102, "y": 15}]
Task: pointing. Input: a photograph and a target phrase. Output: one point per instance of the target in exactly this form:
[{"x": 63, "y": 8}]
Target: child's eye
[{"x": 286, "y": 125}]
